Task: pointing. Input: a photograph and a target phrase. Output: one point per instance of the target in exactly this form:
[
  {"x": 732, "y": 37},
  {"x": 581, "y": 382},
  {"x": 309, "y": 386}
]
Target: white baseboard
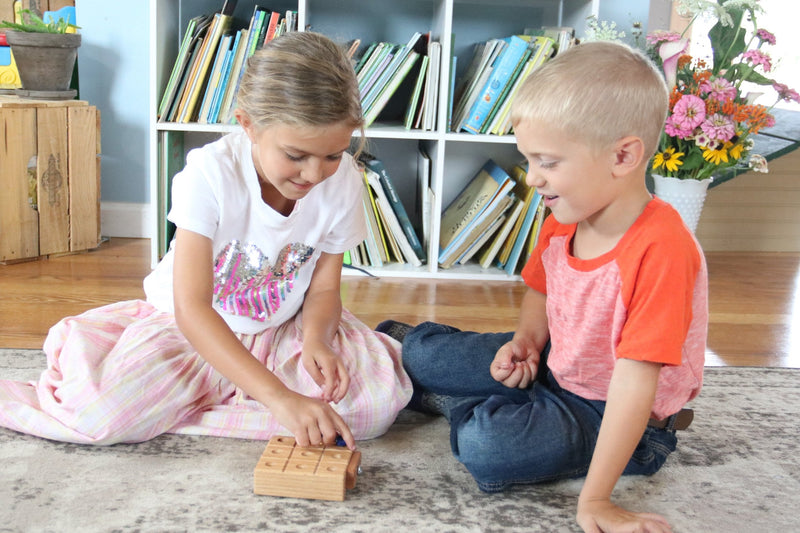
[{"x": 123, "y": 219}]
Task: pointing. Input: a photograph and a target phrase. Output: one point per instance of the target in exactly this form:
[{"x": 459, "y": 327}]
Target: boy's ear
[{"x": 628, "y": 154}]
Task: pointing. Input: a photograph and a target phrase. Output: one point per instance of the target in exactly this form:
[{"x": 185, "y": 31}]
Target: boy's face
[{"x": 572, "y": 178}]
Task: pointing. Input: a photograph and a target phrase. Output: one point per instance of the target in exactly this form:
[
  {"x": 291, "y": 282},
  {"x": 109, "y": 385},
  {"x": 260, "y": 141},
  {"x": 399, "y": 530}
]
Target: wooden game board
[{"x": 316, "y": 472}]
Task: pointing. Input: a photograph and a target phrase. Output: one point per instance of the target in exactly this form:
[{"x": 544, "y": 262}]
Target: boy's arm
[
  {"x": 516, "y": 363},
  {"x": 630, "y": 399}
]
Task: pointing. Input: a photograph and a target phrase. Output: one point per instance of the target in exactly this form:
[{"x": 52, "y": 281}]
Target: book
[
  {"x": 387, "y": 74},
  {"x": 484, "y": 238},
  {"x": 424, "y": 203},
  {"x": 178, "y": 66},
  {"x": 430, "y": 110},
  {"x": 525, "y": 193},
  {"x": 171, "y": 113},
  {"x": 381, "y": 229},
  {"x": 199, "y": 75},
  {"x": 490, "y": 252},
  {"x": 489, "y": 181},
  {"x": 389, "y": 217},
  {"x": 510, "y": 265},
  {"x": 543, "y": 50},
  {"x": 373, "y": 251},
  {"x": 475, "y": 78},
  {"x": 223, "y": 115},
  {"x": 272, "y": 27},
  {"x": 374, "y": 108},
  {"x": 214, "y": 77},
  {"x": 195, "y": 32},
  {"x": 414, "y": 101},
  {"x": 502, "y": 98},
  {"x": 475, "y": 231},
  {"x": 504, "y": 65},
  {"x": 222, "y": 90},
  {"x": 377, "y": 166}
]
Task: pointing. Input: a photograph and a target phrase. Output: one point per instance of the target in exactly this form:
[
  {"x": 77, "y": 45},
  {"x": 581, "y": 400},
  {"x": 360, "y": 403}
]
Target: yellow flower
[
  {"x": 668, "y": 159},
  {"x": 716, "y": 156},
  {"x": 736, "y": 150}
]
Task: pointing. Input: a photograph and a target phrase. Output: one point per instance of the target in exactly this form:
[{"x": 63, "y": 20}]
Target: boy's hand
[
  {"x": 312, "y": 422},
  {"x": 327, "y": 370},
  {"x": 515, "y": 364},
  {"x": 602, "y": 516}
]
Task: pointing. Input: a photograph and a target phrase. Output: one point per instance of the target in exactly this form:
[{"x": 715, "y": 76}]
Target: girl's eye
[
  {"x": 294, "y": 157},
  {"x": 547, "y": 164},
  {"x": 336, "y": 157}
]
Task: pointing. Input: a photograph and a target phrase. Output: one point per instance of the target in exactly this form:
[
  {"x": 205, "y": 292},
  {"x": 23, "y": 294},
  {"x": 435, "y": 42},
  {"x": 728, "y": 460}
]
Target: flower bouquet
[{"x": 711, "y": 120}]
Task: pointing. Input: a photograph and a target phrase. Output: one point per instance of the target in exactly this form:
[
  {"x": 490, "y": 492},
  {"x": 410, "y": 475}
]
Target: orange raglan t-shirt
[{"x": 647, "y": 300}]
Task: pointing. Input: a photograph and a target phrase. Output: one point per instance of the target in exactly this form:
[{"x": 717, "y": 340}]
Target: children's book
[
  {"x": 503, "y": 67},
  {"x": 490, "y": 182}
]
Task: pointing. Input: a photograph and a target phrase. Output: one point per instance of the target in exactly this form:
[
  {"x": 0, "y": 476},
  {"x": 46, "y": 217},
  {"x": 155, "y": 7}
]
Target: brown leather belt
[{"x": 682, "y": 419}]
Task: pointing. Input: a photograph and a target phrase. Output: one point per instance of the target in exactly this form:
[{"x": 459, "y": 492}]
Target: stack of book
[
  {"x": 384, "y": 66},
  {"x": 482, "y": 100},
  {"x": 211, "y": 60},
  {"x": 494, "y": 219},
  {"x": 391, "y": 237}
]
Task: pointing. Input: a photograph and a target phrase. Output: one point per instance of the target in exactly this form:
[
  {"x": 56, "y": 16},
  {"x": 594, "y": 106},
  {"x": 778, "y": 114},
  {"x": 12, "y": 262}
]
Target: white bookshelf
[{"x": 456, "y": 157}]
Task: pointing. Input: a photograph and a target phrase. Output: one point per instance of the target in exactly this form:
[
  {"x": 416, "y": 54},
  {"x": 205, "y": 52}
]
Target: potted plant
[{"x": 45, "y": 53}]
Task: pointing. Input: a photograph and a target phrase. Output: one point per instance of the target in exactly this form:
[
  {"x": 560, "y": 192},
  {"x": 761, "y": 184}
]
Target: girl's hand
[
  {"x": 327, "y": 370},
  {"x": 312, "y": 422},
  {"x": 515, "y": 364}
]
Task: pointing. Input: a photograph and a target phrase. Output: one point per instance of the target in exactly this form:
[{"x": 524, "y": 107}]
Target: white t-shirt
[{"x": 263, "y": 261}]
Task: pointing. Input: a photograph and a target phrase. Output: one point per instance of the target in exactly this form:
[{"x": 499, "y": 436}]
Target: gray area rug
[{"x": 736, "y": 470}]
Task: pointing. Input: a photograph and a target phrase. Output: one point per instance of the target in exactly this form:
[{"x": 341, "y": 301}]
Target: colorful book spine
[{"x": 504, "y": 66}]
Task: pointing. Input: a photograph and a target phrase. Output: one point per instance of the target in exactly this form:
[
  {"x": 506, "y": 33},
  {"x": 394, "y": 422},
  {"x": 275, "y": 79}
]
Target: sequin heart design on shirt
[{"x": 247, "y": 284}]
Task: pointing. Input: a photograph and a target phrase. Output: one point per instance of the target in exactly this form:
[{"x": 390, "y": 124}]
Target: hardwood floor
[{"x": 754, "y": 299}]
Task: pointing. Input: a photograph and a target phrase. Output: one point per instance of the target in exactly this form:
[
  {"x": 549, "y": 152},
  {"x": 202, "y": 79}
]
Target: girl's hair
[
  {"x": 301, "y": 79},
  {"x": 598, "y": 92}
]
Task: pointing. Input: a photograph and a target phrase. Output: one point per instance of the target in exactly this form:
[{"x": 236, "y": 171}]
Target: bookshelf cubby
[{"x": 457, "y": 24}]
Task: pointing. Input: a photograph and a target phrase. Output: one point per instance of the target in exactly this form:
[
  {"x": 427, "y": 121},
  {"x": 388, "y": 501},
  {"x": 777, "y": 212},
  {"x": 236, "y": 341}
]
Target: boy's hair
[
  {"x": 300, "y": 79},
  {"x": 598, "y": 92}
]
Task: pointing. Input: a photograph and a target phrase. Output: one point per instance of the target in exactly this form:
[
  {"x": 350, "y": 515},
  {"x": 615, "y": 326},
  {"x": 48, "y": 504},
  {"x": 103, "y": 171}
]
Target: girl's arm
[
  {"x": 322, "y": 313},
  {"x": 310, "y": 421},
  {"x": 630, "y": 400},
  {"x": 516, "y": 362}
]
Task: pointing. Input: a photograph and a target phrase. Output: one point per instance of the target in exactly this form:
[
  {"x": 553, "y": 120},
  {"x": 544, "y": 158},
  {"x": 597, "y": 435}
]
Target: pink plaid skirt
[{"x": 125, "y": 373}]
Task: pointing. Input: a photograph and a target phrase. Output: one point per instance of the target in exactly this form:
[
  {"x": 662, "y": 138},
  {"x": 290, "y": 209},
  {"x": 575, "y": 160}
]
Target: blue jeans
[{"x": 510, "y": 436}]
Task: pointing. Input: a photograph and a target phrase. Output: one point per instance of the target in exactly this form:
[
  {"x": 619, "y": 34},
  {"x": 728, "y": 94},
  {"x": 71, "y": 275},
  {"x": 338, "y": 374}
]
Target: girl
[{"x": 243, "y": 332}]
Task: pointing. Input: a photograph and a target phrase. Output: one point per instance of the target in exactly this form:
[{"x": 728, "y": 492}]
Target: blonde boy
[{"x": 611, "y": 336}]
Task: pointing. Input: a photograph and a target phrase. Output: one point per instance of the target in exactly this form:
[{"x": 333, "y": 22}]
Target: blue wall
[{"x": 113, "y": 73}]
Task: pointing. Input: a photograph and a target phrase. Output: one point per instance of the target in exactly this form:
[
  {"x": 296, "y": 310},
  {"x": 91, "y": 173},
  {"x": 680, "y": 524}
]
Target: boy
[{"x": 611, "y": 337}]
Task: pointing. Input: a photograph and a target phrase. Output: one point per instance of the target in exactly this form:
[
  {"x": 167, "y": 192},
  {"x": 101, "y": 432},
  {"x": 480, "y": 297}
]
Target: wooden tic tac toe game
[{"x": 316, "y": 472}]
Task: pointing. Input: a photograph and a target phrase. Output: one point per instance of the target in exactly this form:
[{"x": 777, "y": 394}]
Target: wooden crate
[{"x": 49, "y": 177}]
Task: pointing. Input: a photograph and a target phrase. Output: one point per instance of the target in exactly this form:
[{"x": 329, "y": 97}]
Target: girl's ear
[
  {"x": 244, "y": 120},
  {"x": 628, "y": 154}
]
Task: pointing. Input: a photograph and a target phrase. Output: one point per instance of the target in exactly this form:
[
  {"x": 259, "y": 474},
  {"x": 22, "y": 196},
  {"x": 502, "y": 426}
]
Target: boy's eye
[
  {"x": 547, "y": 164},
  {"x": 294, "y": 157}
]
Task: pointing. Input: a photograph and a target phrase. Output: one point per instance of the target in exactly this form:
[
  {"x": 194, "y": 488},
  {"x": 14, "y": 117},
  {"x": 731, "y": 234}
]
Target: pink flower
[
  {"x": 669, "y": 52},
  {"x": 689, "y": 112},
  {"x": 662, "y": 36},
  {"x": 757, "y": 57},
  {"x": 765, "y": 37},
  {"x": 785, "y": 93},
  {"x": 719, "y": 89},
  {"x": 719, "y": 127}
]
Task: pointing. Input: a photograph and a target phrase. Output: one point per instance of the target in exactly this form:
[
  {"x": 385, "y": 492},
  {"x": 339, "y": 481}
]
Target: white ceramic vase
[{"x": 686, "y": 196}]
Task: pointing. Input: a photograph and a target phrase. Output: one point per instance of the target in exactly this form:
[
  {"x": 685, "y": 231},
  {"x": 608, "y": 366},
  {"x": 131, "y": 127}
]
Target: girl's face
[
  {"x": 572, "y": 179},
  {"x": 290, "y": 161}
]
